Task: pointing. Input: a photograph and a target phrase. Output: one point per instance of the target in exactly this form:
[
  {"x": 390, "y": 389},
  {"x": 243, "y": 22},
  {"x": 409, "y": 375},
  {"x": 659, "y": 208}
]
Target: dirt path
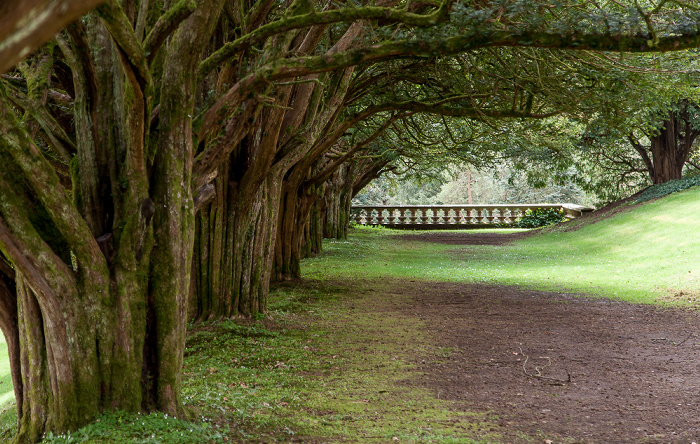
[{"x": 634, "y": 370}]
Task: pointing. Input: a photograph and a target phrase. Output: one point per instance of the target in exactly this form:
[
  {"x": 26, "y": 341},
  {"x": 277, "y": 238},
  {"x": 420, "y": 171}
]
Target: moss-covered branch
[
  {"x": 121, "y": 30},
  {"x": 444, "y": 108},
  {"x": 330, "y": 169},
  {"x": 25, "y": 26},
  {"x": 322, "y": 18},
  {"x": 165, "y": 25},
  {"x": 288, "y": 68},
  {"x": 15, "y": 143},
  {"x": 59, "y": 140}
]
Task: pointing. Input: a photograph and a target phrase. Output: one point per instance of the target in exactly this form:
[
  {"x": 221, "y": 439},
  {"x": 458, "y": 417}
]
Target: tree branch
[
  {"x": 301, "y": 66},
  {"x": 44, "y": 183},
  {"x": 60, "y": 141},
  {"x": 322, "y": 18},
  {"x": 121, "y": 30},
  {"x": 25, "y": 25},
  {"x": 165, "y": 25},
  {"x": 643, "y": 153},
  {"x": 330, "y": 169}
]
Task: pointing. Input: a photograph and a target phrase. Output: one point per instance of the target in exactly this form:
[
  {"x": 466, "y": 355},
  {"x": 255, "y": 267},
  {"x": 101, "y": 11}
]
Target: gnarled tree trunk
[{"x": 99, "y": 274}]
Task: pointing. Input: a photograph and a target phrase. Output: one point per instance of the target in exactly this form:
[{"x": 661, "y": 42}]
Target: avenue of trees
[{"x": 163, "y": 161}]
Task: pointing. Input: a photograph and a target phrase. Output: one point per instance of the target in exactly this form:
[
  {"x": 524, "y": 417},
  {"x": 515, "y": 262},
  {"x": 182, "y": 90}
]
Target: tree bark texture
[
  {"x": 671, "y": 148},
  {"x": 26, "y": 25},
  {"x": 100, "y": 272}
]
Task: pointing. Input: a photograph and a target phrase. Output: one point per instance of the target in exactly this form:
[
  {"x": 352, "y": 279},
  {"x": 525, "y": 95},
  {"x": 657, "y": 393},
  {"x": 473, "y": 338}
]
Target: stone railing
[{"x": 451, "y": 216}]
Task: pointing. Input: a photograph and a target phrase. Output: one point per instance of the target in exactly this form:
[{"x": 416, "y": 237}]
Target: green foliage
[
  {"x": 540, "y": 217},
  {"x": 499, "y": 183},
  {"x": 664, "y": 189},
  {"x": 8, "y": 422},
  {"x": 157, "y": 428}
]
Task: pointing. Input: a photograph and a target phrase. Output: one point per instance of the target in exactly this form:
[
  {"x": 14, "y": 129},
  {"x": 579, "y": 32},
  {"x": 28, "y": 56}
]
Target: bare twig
[
  {"x": 539, "y": 375},
  {"x": 671, "y": 342}
]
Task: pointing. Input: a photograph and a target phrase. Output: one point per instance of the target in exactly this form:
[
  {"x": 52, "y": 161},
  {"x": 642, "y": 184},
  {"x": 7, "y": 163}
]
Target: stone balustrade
[{"x": 451, "y": 216}]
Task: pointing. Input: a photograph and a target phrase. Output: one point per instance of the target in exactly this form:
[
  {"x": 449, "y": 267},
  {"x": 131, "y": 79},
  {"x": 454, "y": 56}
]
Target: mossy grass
[{"x": 325, "y": 365}]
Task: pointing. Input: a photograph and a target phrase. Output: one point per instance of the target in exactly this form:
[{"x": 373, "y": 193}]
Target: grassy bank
[
  {"x": 335, "y": 360},
  {"x": 647, "y": 254}
]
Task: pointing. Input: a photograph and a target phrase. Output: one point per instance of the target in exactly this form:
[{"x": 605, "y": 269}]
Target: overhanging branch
[
  {"x": 166, "y": 25},
  {"x": 322, "y": 18},
  {"x": 25, "y": 25},
  {"x": 301, "y": 66}
]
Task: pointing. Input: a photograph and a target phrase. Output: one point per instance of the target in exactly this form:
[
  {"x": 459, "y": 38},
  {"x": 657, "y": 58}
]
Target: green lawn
[
  {"x": 6, "y": 393},
  {"x": 649, "y": 254}
]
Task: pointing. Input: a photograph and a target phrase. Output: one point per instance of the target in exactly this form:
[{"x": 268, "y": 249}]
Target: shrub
[
  {"x": 540, "y": 217},
  {"x": 664, "y": 189}
]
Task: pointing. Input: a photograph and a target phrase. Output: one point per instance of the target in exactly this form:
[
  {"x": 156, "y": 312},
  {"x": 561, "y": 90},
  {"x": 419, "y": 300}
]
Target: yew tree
[
  {"x": 671, "y": 138},
  {"x": 115, "y": 132}
]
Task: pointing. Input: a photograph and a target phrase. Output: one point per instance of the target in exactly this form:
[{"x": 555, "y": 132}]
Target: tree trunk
[
  {"x": 664, "y": 150},
  {"x": 337, "y": 202},
  {"x": 293, "y": 231},
  {"x": 100, "y": 282},
  {"x": 671, "y": 148},
  {"x": 232, "y": 262}
]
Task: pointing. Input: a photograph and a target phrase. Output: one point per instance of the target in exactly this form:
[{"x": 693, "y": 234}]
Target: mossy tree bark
[
  {"x": 27, "y": 25},
  {"x": 306, "y": 183},
  {"x": 240, "y": 224},
  {"x": 99, "y": 273}
]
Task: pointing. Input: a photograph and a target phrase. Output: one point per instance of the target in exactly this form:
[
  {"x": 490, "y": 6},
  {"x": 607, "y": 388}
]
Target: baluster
[
  {"x": 411, "y": 215},
  {"x": 498, "y": 215},
  {"x": 434, "y": 218},
  {"x": 357, "y": 216},
  {"x": 489, "y": 216},
  {"x": 424, "y": 215},
  {"x": 464, "y": 215},
  {"x": 479, "y": 215},
  {"x": 447, "y": 218},
  {"x": 402, "y": 217},
  {"x": 380, "y": 216},
  {"x": 391, "y": 217}
]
